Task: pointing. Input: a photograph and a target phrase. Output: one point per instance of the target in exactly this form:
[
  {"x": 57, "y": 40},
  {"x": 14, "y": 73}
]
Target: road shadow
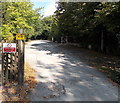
[
  {"x": 79, "y": 80},
  {"x": 91, "y": 58}
]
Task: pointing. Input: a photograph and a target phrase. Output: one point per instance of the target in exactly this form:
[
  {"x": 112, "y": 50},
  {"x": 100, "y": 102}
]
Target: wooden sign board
[
  {"x": 20, "y": 37},
  {"x": 9, "y": 47}
]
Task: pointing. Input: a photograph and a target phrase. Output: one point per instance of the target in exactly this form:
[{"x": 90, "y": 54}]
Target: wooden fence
[{"x": 13, "y": 65}]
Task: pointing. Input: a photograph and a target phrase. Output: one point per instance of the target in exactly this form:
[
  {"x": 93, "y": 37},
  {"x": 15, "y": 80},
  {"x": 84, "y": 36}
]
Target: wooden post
[
  {"x": 20, "y": 60},
  {"x": 61, "y": 39},
  {"x": 52, "y": 39},
  {"x": 66, "y": 39}
]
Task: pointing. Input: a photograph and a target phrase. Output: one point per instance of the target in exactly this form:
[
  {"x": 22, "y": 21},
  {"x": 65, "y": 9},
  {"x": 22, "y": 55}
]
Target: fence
[{"x": 13, "y": 65}]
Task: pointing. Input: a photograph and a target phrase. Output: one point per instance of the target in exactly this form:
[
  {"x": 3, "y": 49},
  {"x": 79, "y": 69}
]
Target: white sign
[{"x": 9, "y": 47}]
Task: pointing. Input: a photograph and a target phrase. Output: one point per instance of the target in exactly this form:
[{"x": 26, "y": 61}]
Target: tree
[
  {"x": 95, "y": 24},
  {"x": 18, "y": 15}
]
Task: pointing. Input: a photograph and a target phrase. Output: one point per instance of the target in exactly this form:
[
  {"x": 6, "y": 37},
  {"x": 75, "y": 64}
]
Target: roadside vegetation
[{"x": 94, "y": 26}]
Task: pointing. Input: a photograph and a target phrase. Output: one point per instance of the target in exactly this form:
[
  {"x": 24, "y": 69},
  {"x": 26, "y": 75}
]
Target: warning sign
[
  {"x": 9, "y": 47},
  {"x": 20, "y": 37}
]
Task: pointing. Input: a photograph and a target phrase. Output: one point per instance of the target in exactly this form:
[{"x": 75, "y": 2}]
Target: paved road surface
[{"x": 63, "y": 77}]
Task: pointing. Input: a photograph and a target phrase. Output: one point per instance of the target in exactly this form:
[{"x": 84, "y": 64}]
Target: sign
[
  {"x": 9, "y": 47},
  {"x": 20, "y": 37}
]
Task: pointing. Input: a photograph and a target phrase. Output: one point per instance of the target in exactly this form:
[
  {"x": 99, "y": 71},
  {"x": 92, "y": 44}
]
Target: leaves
[
  {"x": 14, "y": 92},
  {"x": 84, "y": 23},
  {"x": 18, "y": 15}
]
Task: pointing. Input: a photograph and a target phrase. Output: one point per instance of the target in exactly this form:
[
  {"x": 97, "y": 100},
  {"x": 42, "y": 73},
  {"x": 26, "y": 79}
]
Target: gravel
[{"x": 62, "y": 76}]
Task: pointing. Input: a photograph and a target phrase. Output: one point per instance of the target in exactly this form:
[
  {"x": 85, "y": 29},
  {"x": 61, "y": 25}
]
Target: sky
[{"x": 49, "y": 6}]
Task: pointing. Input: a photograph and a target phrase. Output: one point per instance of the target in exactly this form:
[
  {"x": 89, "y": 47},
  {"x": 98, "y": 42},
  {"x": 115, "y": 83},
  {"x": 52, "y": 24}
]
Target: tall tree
[
  {"x": 95, "y": 24},
  {"x": 18, "y": 15}
]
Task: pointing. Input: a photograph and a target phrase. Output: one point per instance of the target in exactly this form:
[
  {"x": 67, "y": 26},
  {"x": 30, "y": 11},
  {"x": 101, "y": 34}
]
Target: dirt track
[{"x": 62, "y": 76}]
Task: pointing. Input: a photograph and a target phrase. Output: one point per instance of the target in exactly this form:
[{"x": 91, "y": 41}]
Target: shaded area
[
  {"x": 57, "y": 64},
  {"x": 110, "y": 65},
  {"x": 105, "y": 63}
]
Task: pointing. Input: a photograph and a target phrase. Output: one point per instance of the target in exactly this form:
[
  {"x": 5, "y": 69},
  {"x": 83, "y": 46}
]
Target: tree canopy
[
  {"x": 88, "y": 23},
  {"x": 16, "y": 15},
  {"x": 94, "y": 24}
]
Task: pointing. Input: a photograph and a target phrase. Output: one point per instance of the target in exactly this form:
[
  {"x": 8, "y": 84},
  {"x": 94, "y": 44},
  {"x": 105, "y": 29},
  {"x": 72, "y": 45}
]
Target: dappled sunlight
[{"x": 56, "y": 66}]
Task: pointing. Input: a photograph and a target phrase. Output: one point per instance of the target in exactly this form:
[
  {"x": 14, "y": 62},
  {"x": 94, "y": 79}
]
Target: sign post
[
  {"x": 21, "y": 46},
  {"x": 20, "y": 36}
]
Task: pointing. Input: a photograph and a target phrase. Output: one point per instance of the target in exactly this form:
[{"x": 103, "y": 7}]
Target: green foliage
[
  {"x": 45, "y": 27},
  {"x": 55, "y": 29},
  {"x": 86, "y": 22},
  {"x": 7, "y": 35},
  {"x": 18, "y": 15},
  {"x": 115, "y": 76}
]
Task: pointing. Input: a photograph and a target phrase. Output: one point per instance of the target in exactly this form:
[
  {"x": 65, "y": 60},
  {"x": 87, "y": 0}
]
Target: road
[{"x": 62, "y": 76}]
